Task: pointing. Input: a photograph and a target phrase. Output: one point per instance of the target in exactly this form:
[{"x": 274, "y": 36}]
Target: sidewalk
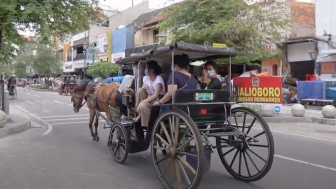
[
  {"x": 17, "y": 122},
  {"x": 312, "y": 115}
]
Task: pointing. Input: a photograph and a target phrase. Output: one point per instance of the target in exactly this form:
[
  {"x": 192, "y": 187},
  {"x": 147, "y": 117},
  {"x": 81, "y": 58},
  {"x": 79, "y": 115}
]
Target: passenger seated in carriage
[
  {"x": 182, "y": 80},
  {"x": 153, "y": 86},
  {"x": 209, "y": 71}
]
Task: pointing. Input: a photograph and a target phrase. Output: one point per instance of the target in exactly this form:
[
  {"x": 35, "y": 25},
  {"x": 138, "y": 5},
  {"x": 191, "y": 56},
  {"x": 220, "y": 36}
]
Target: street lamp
[{"x": 105, "y": 48}]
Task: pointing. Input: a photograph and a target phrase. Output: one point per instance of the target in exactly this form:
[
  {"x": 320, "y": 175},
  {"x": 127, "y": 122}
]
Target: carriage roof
[{"x": 194, "y": 51}]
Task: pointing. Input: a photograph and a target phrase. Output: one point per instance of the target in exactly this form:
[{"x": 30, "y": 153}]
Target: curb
[{"x": 11, "y": 129}]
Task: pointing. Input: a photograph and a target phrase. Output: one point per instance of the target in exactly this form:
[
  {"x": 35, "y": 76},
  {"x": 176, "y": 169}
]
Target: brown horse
[{"x": 99, "y": 97}]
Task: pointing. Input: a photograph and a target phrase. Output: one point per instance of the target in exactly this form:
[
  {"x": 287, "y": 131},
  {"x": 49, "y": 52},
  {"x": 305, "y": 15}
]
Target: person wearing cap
[{"x": 209, "y": 71}]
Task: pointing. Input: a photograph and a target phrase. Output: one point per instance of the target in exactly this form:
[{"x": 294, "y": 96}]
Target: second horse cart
[
  {"x": 68, "y": 83},
  {"x": 198, "y": 122}
]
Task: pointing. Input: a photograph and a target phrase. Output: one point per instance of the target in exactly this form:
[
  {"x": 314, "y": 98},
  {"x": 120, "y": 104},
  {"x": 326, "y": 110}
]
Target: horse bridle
[{"x": 79, "y": 106}]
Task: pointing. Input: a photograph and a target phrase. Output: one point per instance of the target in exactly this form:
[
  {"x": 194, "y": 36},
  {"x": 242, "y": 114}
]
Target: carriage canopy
[{"x": 194, "y": 51}]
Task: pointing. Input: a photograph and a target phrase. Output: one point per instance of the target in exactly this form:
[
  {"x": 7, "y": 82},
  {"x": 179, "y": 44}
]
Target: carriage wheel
[
  {"x": 177, "y": 151},
  {"x": 119, "y": 143},
  {"x": 245, "y": 149}
]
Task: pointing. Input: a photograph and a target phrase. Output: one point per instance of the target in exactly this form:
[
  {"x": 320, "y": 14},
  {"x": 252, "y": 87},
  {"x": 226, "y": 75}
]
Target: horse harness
[{"x": 94, "y": 87}]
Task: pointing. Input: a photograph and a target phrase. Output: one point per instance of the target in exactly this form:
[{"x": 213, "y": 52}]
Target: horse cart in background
[
  {"x": 183, "y": 138},
  {"x": 68, "y": 83}
]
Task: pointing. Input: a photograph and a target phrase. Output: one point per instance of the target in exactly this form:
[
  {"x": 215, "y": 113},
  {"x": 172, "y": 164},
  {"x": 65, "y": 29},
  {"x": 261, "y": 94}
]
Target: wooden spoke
[
  {"x": 185, "y": 143},
  {"x": 159, "y": 148},
  {"x": 259, "y": 145},
  {"x": 172, "y": 171},
  {"x": 246, "y": 164},
  {"x": 255, "y": 136},
  {"x": 163, "y": 127},
  {"x": 167, "y": 166},
  {"x": 187, "y": 165},
  {"x": 161, "y": 139},
  {"x": 176, "y": 131},
  {"x": 178, "y": 174}
]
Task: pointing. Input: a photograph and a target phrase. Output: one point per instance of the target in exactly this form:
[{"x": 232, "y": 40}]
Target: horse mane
[{"x": 81, "y": 88}]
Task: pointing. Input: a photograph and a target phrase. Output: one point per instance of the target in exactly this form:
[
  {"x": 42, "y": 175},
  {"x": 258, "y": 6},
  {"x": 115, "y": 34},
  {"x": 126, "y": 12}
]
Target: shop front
[{"x": 299, "y": 60}]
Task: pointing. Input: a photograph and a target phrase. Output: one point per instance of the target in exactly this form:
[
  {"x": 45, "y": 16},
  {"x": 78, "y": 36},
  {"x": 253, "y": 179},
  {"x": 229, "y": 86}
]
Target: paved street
[{"x": 61, "y": 155}]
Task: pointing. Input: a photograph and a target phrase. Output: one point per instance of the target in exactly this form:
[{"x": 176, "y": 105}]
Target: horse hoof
[
  {"x": 93, "y": 139},
  {"x": 97, "y": 139}
]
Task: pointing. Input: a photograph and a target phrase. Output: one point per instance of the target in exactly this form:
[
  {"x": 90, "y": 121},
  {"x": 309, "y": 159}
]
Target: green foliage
[
  {"x": 248, "y": 28},
  {"x": 43, "y": 62},
  {"x": 46, "y": 61},
  {"x": 103, "y": 69},
  {"x": 45, "y": 17}
]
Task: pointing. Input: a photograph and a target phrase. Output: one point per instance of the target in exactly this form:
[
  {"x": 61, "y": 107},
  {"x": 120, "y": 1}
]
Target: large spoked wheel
[
  {"x": 177, "y": 151},
  {"x": 119, "y": 143},
  {"x": 248, "y": 154}
]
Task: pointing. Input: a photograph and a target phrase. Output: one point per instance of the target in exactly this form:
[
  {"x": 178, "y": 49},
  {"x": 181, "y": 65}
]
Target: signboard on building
[
  {"x": 68, "y": 67},
  {"x": 253, "y": 92},
  {"x": 328, "y": 67},
  {"x": 101, "y": 42}
]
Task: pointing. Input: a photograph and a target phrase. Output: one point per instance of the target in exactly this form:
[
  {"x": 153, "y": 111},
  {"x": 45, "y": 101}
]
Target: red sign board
[{"x": 259, "y": 89}]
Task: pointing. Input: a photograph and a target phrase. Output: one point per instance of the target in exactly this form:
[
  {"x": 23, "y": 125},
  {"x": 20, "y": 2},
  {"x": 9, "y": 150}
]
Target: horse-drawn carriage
[
  {"x": 183, "y": 138},
  {"x": 67, "y": 84}
]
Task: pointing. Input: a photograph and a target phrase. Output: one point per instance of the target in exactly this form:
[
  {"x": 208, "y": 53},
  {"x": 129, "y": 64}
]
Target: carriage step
[{"x": 218, "y": 134}]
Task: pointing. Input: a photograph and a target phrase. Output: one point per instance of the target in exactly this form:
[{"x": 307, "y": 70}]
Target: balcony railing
[{"x": 77, "y": 57}]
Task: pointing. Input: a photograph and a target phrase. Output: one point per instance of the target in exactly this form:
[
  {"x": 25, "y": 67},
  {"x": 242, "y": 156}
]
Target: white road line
[
  {"x": 300, "y": 135},
  {"x": 49, "y": 126},
  {"x": 51, "y": 120},
  {"x": 306, "y": 163},
  {"x": 58, "y": 102},
  {"x": 29, "y": 102},
  {"x": 64, "y": 116},
  {"x": 36, "y": 95},
  {"x": 73, "y": 122}
]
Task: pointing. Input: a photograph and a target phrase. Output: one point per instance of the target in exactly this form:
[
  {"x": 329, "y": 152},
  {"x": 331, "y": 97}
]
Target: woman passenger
[
  {"x": 182, "y": 80},
  {"x": 209, "y": 71},
  {"x": 152, "y": 88}
]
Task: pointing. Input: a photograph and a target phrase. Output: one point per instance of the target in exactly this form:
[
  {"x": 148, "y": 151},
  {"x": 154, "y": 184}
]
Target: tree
[
  {"x": 103, "y": 69},
  {"x": 46, "y": 61},
  {"x": 236, "y": 23},
  {"x": 45, "y": 17}
]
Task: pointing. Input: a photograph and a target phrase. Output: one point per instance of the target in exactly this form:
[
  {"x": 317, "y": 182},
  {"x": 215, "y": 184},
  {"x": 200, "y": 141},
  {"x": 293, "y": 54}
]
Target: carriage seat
[{"x": 204, "y": 113}]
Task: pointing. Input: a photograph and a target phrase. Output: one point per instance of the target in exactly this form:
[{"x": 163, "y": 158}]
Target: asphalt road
[{"x": 62, "y": 155}]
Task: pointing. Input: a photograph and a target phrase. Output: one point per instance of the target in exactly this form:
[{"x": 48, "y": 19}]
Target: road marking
[
  {"x": 29, "y": 102},
  {"x": 58, "y": 102},
  {"x": 306, "y": 163},
  {"x": 49, "y": 126},
  {"x": 74, "y": 122},
  {"x": 51, "y": 120},
  {"x": 64, "y": 116},
  {"x": 36, "y": 95},
  {"x": 300, "y": 135}
]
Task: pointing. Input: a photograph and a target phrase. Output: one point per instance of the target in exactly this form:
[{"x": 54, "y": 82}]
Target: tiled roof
[
  {"x": 302, "y": 13},
  {"x": 157, "y": 19},
  {"x": 144, "y": 18}
]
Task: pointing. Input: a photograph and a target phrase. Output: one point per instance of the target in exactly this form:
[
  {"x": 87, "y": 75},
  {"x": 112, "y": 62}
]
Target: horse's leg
[
  {"x": 92, "y": 116},
  {"x": 96, "y": 128}
]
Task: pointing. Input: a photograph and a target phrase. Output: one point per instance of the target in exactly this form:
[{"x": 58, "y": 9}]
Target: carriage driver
[{"x": 123, "y": 108}]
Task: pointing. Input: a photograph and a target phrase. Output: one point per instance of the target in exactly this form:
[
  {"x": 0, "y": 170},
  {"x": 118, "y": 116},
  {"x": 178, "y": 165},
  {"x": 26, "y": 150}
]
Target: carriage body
[
  {"x": 68, "y": 83},
  {"x": 182, "y": 136}
]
